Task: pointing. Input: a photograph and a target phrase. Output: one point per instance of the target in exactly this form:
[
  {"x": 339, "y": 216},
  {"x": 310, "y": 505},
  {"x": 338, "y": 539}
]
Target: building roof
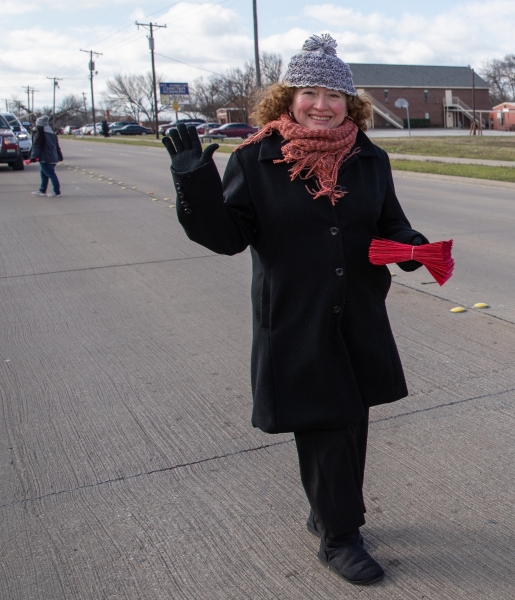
[
  {"x": 510, "y": 105},
  {"x": 414, "y": 76}
]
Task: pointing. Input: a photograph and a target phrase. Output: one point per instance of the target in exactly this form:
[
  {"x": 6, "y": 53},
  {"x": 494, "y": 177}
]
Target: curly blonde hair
[{"x": 276, "y": 100}]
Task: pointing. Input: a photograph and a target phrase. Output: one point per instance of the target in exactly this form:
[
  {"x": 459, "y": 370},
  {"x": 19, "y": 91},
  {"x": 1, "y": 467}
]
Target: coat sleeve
[
  {"x": 393, "y": 224},
  {"x": 35, "y": 151},
  {"x": 59, "y": 151},
  {"x": 216, "y": 215}
]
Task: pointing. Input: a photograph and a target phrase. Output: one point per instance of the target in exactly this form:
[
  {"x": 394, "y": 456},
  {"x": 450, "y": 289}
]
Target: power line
[{"x": 187, "y": 64}]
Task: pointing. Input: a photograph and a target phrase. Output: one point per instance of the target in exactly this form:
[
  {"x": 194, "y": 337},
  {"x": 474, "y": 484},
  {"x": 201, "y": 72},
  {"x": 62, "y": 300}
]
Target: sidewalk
[{"x": 454, "y": 161}]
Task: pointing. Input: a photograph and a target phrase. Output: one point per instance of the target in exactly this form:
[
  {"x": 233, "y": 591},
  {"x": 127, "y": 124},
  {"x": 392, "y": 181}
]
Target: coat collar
[{"x": 271, "y": 147}]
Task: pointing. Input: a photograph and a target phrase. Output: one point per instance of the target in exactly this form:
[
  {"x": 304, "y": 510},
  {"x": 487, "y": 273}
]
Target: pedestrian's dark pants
[
  {"x": 47, "y": 171},
  {"x": 332, "y": 467}
]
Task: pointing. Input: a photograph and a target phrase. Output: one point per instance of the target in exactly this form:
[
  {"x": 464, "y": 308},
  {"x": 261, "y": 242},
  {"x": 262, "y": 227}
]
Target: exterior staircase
[
  {"x": 457, "y": 105},
  {"x": 386, "y": 113}
]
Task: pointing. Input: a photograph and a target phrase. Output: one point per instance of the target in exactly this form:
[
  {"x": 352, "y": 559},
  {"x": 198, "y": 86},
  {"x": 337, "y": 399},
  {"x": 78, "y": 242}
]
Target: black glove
[
  {"x": 185, "y": 149},
  {"x": 413, "y": 265},
  {"x": 33, "y": 160}
]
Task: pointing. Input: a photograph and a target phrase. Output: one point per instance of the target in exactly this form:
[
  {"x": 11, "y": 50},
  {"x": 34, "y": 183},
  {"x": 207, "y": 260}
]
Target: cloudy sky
[{"x": 42, "y": 39}]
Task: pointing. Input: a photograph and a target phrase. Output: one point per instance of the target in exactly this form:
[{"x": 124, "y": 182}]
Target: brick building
[
  {"x": 437, "y": 96},
  {"x": 503, "y": 117}
]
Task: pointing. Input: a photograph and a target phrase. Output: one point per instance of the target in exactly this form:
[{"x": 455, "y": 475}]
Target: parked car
[
  {"x": 98, "y": 129},
  {"x": 10, "y": 147},
  {"x": 206, "y": 127},
  {"x": 21, "y": 133},
  {"x": 118, "y": 124},
  {"x": 84, "y": 130},
  {"x": 133, "y": 129},
  {"x": 235, "y": 130},
  {"x": 173, "y": 125},
  {"x": 69, "y": 129}
]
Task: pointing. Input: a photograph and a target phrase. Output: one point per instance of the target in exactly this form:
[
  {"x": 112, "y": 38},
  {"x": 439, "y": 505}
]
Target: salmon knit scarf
[{"x": 318, "y": 152}]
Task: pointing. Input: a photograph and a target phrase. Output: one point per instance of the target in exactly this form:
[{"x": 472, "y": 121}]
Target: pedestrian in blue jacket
[{"x": 46, "y": 151}]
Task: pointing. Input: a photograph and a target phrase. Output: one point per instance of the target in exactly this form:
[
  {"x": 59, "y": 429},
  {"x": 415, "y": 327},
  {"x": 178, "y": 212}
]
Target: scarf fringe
[{"x": 313, "y": 152}]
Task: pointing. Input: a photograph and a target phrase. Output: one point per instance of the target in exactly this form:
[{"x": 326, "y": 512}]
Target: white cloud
[
  {"x": 464, "y": 34},
  {"x": 14, "y": 7},
  {"x": 212, "y": 36}
]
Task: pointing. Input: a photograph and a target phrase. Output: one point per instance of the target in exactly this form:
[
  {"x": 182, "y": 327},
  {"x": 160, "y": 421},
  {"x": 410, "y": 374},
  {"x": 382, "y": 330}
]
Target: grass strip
[
  {"x": 439, "y": 168},
  {"x": 145, "y": 141},
  {"x": 128, "y": 141},
  {"x": 486, "y": 147}
]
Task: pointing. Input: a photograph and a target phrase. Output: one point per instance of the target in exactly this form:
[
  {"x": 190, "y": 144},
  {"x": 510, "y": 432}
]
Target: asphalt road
[
  {"x": 479, "y": 216},
  {"x": 128, "y": 464}
]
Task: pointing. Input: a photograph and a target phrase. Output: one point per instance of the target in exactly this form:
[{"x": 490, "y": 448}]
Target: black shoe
[
  {"x": 352, "y": 562},
  {"x": 315, "y": 528}
]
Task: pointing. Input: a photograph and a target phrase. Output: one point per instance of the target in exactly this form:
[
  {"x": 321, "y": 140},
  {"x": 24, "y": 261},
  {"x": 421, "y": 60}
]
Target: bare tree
[
  {"x": 500, "y": 75},
  {"x": 236, "y": 86},
  {"x": 132, "y": 95},
  {"x": 271, "y": 68},
  {"x": 70, "y": 109}
]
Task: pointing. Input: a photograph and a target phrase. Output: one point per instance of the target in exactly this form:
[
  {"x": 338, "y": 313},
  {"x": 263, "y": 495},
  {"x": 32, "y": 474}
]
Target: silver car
[{"x": 21, "y": 133}]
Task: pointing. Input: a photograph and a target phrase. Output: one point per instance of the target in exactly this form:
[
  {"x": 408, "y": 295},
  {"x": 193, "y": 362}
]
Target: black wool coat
[{"x": 322, "y": 348}]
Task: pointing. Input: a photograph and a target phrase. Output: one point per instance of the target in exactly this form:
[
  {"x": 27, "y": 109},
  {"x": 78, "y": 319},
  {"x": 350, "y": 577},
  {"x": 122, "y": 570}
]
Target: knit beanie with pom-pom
[{"x": 318, "y": 66}]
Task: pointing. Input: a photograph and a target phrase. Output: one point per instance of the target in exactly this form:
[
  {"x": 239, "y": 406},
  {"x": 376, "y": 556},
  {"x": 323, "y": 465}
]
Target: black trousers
[{"x": 332, "y": 468}]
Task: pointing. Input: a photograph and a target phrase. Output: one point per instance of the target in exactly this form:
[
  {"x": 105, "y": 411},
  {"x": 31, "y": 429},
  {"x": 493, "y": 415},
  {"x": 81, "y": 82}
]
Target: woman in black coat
[{"x": 308, "y": 193}]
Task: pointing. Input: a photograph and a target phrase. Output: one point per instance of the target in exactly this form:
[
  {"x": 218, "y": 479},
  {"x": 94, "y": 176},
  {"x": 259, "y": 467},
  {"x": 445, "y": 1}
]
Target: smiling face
[{"x": 318, "y": 107}]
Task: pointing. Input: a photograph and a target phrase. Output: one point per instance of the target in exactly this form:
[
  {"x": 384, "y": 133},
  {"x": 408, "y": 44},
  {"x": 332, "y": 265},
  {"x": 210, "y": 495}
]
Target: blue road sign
[{"x": 174, "y": 89}]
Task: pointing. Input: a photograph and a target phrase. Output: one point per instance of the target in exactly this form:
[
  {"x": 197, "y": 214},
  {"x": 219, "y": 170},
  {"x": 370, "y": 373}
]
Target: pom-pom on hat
[
  {"x": 318, "y": 66},
  {"x": 42, "y": 121}
]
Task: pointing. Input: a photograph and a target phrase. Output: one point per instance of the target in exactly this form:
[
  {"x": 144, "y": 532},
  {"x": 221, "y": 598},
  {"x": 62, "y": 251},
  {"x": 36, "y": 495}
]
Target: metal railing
[
  {"x": 387, "y": 115},
  {"x": 458, "y": 105}
]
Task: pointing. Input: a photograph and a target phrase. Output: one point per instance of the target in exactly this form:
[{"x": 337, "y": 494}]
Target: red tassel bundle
[{"x": 436, "y": 257}]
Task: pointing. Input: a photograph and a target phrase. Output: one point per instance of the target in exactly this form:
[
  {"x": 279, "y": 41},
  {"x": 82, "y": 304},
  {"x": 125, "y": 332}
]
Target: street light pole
[
  {"x": 151, "y": 27},
  {"x": 256, "y": 44}
]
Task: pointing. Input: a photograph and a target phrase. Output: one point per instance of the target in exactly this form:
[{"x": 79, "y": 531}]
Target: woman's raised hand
[{"x": 185, "y": 149}]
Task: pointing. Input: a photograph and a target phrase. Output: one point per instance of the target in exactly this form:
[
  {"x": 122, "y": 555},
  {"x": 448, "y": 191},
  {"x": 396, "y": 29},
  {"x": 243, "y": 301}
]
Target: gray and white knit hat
[
  {"x": 42, "y": 121},
  {"x": 318, "y": 66}
]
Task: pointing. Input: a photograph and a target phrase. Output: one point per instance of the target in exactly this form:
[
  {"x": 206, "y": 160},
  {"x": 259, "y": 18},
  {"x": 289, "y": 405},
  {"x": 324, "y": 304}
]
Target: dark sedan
[
  {"x": 240, "y": 130},
  {"x": 130, "y": 130}
]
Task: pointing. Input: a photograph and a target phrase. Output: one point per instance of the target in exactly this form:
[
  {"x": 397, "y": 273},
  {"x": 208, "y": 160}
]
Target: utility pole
[
  {"x": 151, "y": 27},
  {"x": 32, "y": 90},
  {"x": 55, "y": 80},
  {"x": 474, "y": 100},
  {"x": 91, "y": 72},
  {"x": 28, "y": 96},
  {"x": 256, "y": 45},
  {"x": 85, "y": 108}
]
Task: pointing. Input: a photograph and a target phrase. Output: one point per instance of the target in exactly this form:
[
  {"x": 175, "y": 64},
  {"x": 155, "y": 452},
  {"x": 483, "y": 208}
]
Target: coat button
[
  {"x": 339, "y": 272},
  {"x": 336, "y": 309},
  {"x": 185, "y": 203},
  {"x": 188, "y": 211},
  {"x": 180, "y": 194},
  {"x": 334, "y": 230},
  {"x": 178, "y": 186}
]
